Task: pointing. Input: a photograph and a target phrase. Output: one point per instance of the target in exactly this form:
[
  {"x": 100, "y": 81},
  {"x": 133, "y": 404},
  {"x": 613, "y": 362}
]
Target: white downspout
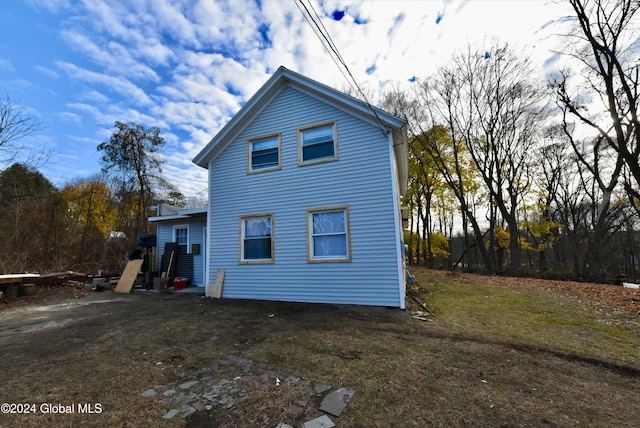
[{"x": 397, "y": 221}]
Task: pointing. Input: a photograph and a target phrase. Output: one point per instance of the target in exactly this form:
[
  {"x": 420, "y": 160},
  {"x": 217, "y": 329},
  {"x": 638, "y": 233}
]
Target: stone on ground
[
  {"x": 321, "y": 422},
  {"x": 335, "y": 402}
]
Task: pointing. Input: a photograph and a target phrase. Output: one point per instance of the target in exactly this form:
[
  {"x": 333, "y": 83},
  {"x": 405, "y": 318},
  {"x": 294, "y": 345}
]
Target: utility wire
[
  {"x": 329, "y": 49},
  {"x": 327, "y": 42}
]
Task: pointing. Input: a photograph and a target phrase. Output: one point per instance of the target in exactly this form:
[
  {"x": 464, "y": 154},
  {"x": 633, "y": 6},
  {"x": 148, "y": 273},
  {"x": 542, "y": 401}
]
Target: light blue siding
[
  {"x": 164, "y": 233},
  {"x": 361, "y": 179},
  {"x": 196, "y": 236}
]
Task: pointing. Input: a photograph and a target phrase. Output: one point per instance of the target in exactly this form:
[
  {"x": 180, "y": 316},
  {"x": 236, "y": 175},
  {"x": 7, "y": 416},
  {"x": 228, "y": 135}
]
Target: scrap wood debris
[
  {"x": 55, "y": 278},
  {"x": 28, "y": 285},
  {"x": 422, "y": 314},
  {"x": 59, "y": 278}
]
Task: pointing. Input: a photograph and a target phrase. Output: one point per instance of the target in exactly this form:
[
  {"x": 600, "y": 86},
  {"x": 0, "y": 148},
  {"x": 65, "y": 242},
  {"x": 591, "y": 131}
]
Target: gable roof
[{"x": 285, "y": 77}]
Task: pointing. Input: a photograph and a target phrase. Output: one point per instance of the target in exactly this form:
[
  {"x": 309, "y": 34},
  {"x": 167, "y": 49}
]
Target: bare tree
[
  {"x": 551, "y": 171},
  {"x": 15, "y": 124},
  {"x": 495, "y": 107},
  {"x": 604, "y": 96}
]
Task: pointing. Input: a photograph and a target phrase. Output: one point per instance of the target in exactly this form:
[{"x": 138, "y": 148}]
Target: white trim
[
  {"x": 397, "y": 223},
  {"x": 208, "y": 240},
  {"x": 204, "y": 254}
]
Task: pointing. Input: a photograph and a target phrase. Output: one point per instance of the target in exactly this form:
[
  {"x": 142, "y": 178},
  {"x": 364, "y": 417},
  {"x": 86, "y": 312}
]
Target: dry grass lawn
[{"x": 498, "y": 352}]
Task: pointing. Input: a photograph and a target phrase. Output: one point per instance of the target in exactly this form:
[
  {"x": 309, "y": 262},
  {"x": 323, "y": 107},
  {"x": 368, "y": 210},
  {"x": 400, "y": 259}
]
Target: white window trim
[
  {"x": 335, "y": 156},
  {"x": 252, "y": 140},
  {"x": 241, "y": 259},
  {"x": 175, "y": 237},
  {"x": 311, "y": 258}
]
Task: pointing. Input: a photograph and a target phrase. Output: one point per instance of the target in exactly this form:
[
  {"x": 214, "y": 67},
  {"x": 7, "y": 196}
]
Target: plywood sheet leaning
[
  {"x": 215, "y": 290},
  {"x": 129, "y": 276}
]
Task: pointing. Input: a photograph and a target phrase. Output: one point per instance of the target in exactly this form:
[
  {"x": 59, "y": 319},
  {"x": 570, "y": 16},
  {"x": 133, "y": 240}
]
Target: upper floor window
[
  {"x": 317, "y": 143},
  {"x": 263, "y": 153},
  {"x": 256, "y": 238}
]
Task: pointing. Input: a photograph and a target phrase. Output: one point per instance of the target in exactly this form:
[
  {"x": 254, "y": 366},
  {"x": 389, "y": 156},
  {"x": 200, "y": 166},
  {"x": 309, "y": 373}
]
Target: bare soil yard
[{"x": 498, "y": 352}]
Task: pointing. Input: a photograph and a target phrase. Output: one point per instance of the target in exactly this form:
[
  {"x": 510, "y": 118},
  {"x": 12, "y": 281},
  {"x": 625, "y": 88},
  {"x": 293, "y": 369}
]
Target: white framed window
[
  {"x": 256, "y": 239},
  {"x": 181, "y": 234},
  {"x": 318, "y": 143},
  {"x": 328, "y": 235},
  {"x": 264, "y": 153}
]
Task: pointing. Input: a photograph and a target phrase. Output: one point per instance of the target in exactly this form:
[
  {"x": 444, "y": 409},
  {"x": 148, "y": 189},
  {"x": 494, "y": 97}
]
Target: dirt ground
[
  {"x": 78, "y": 358},
  {"x": 129, "y": 359}
]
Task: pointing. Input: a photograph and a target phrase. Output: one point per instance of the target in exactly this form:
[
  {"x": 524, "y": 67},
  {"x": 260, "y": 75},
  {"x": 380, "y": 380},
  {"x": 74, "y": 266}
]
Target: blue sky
[{"x": 187, "y": 66}]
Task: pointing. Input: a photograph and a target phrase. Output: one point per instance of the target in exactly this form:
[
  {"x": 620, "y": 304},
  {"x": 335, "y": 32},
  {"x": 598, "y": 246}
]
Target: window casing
[
  {"x": 264, "y": 153},
  {"x": 181, "y": 234},
  {"x": 256, "y": 239},
  {"x": 318, "y": 143},
  {"x": 328, "y": 235}
]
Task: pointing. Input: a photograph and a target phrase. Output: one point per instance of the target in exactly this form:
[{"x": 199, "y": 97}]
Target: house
[
  {"x": 304, "y": 197},
  {"x": 186, "y": 229}
]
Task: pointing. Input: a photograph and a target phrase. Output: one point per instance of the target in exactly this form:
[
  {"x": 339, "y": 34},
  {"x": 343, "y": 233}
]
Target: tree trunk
[{"x": 514, "y": 247}]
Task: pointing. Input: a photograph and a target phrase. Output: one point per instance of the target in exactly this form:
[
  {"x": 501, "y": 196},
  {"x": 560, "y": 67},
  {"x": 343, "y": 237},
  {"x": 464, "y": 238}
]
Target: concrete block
[
  {"x": 187, "y": 385},
  {"x": 321, "y": 422},
  {"x": 171, "y": 413},
  {"x": 321, "y": 388},
  {"x": 198, "y": 405},
  {"x": 150, "y": 393},
  {"x": 187, "y": 410},
  {"x": 295, "y": 411},
  {"x": 335, "y": 402}
]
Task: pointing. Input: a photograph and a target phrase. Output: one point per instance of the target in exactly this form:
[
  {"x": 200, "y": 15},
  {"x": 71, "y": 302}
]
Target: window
[
  {"x": 181, "y": 235},
  {"x": 263, "y": 153},
  {"x": 328, "y": 235},
  {"x": 256, "y": 238},
  {"x": 317, "y": 143}
]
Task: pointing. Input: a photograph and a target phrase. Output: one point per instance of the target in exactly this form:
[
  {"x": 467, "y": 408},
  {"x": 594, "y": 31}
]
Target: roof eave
[{"x": 246, "y": 112}]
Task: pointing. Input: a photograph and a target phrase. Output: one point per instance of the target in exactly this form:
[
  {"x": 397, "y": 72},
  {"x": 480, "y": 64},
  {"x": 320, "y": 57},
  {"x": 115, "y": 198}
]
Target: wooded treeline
[
  {"x": 90, "y": 223},
  {"x": 509, "y": 173}
]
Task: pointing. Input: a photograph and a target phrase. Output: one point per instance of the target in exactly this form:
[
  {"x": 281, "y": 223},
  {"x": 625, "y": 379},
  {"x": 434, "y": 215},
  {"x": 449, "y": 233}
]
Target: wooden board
[
  {"x": 216, "y": 289},
  {"x": 129, "y": 276},
  {"x": 169, "y": 260},
  {"x": 17, "y": 278}
]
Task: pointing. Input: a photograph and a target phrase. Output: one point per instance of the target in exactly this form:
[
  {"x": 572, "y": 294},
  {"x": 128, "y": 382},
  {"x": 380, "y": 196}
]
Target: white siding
[{"x": 360, "y": 179}]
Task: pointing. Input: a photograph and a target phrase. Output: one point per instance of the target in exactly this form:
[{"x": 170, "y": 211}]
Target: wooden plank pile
[{"x": 25, "y": 284}]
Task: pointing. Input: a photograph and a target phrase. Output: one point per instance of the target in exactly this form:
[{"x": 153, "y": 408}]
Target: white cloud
[
  {"x": 70, "y": 117},
  {"x": 187, "y": 66},
  {"x": 51, "y": 5},
  {"x": 6, "y": 65},
  {"x": 47, "y": 72},
  {"x": 115, "y": 57},
  {"x": 173, "y": 21},
  {"x": 118, "y": 84},
  {"x": 95, "y": 96}
]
